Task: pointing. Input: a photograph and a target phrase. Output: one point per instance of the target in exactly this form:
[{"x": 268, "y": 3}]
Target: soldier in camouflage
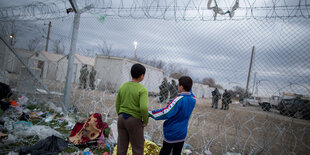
[
  {"x": 216, "y": 95},
  {"x": 83, "y": 77},
  {"x": 173, "y": 89},
  {"x": 92, "y": 78},
  {"x": 226, "y": 100},
  {"x": 163, "y": 91}
]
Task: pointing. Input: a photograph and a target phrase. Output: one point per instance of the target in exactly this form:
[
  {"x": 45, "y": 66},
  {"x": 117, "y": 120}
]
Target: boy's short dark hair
[
  {"x": 137, "y": 70},
  {"x": 186, "y": 82}
]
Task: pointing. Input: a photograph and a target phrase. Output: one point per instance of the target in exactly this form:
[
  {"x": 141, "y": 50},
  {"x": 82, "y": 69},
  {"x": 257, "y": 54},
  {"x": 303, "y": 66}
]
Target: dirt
[
  {"x": 245, "y": 130},
  {"x": 239, "y": 129}
]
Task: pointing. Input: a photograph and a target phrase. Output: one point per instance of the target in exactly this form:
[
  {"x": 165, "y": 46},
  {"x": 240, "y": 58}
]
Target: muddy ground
[{"x": 245, "y": 130}]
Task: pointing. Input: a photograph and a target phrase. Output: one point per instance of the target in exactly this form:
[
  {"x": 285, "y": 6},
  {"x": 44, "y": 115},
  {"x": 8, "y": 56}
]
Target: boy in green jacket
[{"x": 132, "y": 109}]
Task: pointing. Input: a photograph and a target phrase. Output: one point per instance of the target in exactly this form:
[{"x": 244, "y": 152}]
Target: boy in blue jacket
[{"x": 176, "y": 114}]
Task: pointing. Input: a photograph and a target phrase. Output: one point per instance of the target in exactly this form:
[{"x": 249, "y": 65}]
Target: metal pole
[
  {"x": 249, "y": 73},
  {"x": 12, "y": 37},
  {"x": 11, "y": 40},
  {"x": 48, "y": 35},
  {"x": 254, "y": 82},
  {"x": 71, "y": 56},
  {"x": 135, "y": 54},
  {"x": 135, "y": 44}
]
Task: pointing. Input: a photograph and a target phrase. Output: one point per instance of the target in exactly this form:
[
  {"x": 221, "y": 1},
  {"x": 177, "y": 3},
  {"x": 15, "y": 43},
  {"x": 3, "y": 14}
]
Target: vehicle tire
[
  {"x": 298, "y": 115},
  {"x": 269, "y": 106},
  {"x": 266, "y": 106},
  {"x": 263, "y": 106},
  {"x": 282, "y": 112}
]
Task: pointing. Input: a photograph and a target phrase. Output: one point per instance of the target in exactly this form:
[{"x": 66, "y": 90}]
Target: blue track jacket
[{"x": 176, "y": 114}]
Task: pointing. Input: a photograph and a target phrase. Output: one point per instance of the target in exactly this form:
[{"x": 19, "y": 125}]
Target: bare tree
[
  {"x": 105, "y": 48},
  {"x": 35, "y": 44},
  {"x": 155, "y": 63},
  {"x": 160, "y": 64},
  {"x": 218, "y": 86},
  {"x": 209, "y": 81},
  {"x": 179, "y": 72},
  {"x": 197, "y": 80},
  {"x": 238, "y": 91},
  {"x": 88, "y": 52},
  {"x": 58, "y": 47},
  {"x": 169, "y": 68}
]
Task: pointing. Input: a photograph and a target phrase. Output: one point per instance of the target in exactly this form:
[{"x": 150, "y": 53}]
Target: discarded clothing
[
  {"x": 2, "y": 135},
  {"x": 22, "y": 126},
  {"x": 4, "y": 106},
  {"x": 36, "y": 114},
  {"x": 91, "y": 129},
  {"x": 5, "y": 91},
  {"x": 14, "y": 103},
  {"x": 49, "y": 117},
  {"x": 101, "y": 141},
  {"x": 10, "y": 139},
  {"x": 37, "y": 130},
  {"x": 49, "y": 146},
  {"x": 24, "y": 117}
]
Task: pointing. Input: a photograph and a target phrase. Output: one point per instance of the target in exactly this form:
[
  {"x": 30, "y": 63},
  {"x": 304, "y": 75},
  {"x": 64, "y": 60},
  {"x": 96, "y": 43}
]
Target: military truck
[
  {"x": 295, "y": 105},
  {"x": 289, "y": 104}
]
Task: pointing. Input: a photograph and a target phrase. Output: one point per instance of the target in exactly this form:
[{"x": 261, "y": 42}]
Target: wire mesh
[{"x": 175, "y": 38}]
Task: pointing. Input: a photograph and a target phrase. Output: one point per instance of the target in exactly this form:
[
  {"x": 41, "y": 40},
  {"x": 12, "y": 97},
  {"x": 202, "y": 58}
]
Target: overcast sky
[{"x": 219, "y": 49}]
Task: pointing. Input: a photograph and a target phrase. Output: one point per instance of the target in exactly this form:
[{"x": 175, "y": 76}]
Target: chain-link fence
[{"x": 257, "y": 51}]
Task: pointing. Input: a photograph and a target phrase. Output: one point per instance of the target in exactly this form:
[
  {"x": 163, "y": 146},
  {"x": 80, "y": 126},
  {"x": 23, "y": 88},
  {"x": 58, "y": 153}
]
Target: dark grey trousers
[{"x": 130, "y": 129}]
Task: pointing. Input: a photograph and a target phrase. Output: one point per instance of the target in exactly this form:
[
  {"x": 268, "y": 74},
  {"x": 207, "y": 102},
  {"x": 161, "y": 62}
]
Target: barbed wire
[
  {"x": 34, "y": 11},
  {"x": 167, "y": 10},
  {"x": 245, "y": 130}
]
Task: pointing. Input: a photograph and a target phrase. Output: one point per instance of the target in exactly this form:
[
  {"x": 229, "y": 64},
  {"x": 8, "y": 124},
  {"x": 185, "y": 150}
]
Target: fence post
[{"x": 76, "y": 24}]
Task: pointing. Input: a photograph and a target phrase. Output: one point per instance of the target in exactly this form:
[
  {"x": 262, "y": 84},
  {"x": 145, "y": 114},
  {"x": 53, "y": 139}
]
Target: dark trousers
[
  {"x": 214, "y": 102},
  {"x": 130, "y": 129},
  {"x": 175, "y": 147},
  {"x": 92, "y": 85},
  {"x": 225, "y": 105}
]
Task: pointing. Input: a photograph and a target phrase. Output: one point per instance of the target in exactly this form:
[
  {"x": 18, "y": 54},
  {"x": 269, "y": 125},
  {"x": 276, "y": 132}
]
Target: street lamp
[
  {"x": 12, "y": 38},
  {"x": 135, "y": 43}
]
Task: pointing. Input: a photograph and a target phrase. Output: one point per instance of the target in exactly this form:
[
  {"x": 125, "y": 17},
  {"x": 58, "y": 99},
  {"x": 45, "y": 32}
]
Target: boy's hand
[{"x": 144, "y": 125}]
